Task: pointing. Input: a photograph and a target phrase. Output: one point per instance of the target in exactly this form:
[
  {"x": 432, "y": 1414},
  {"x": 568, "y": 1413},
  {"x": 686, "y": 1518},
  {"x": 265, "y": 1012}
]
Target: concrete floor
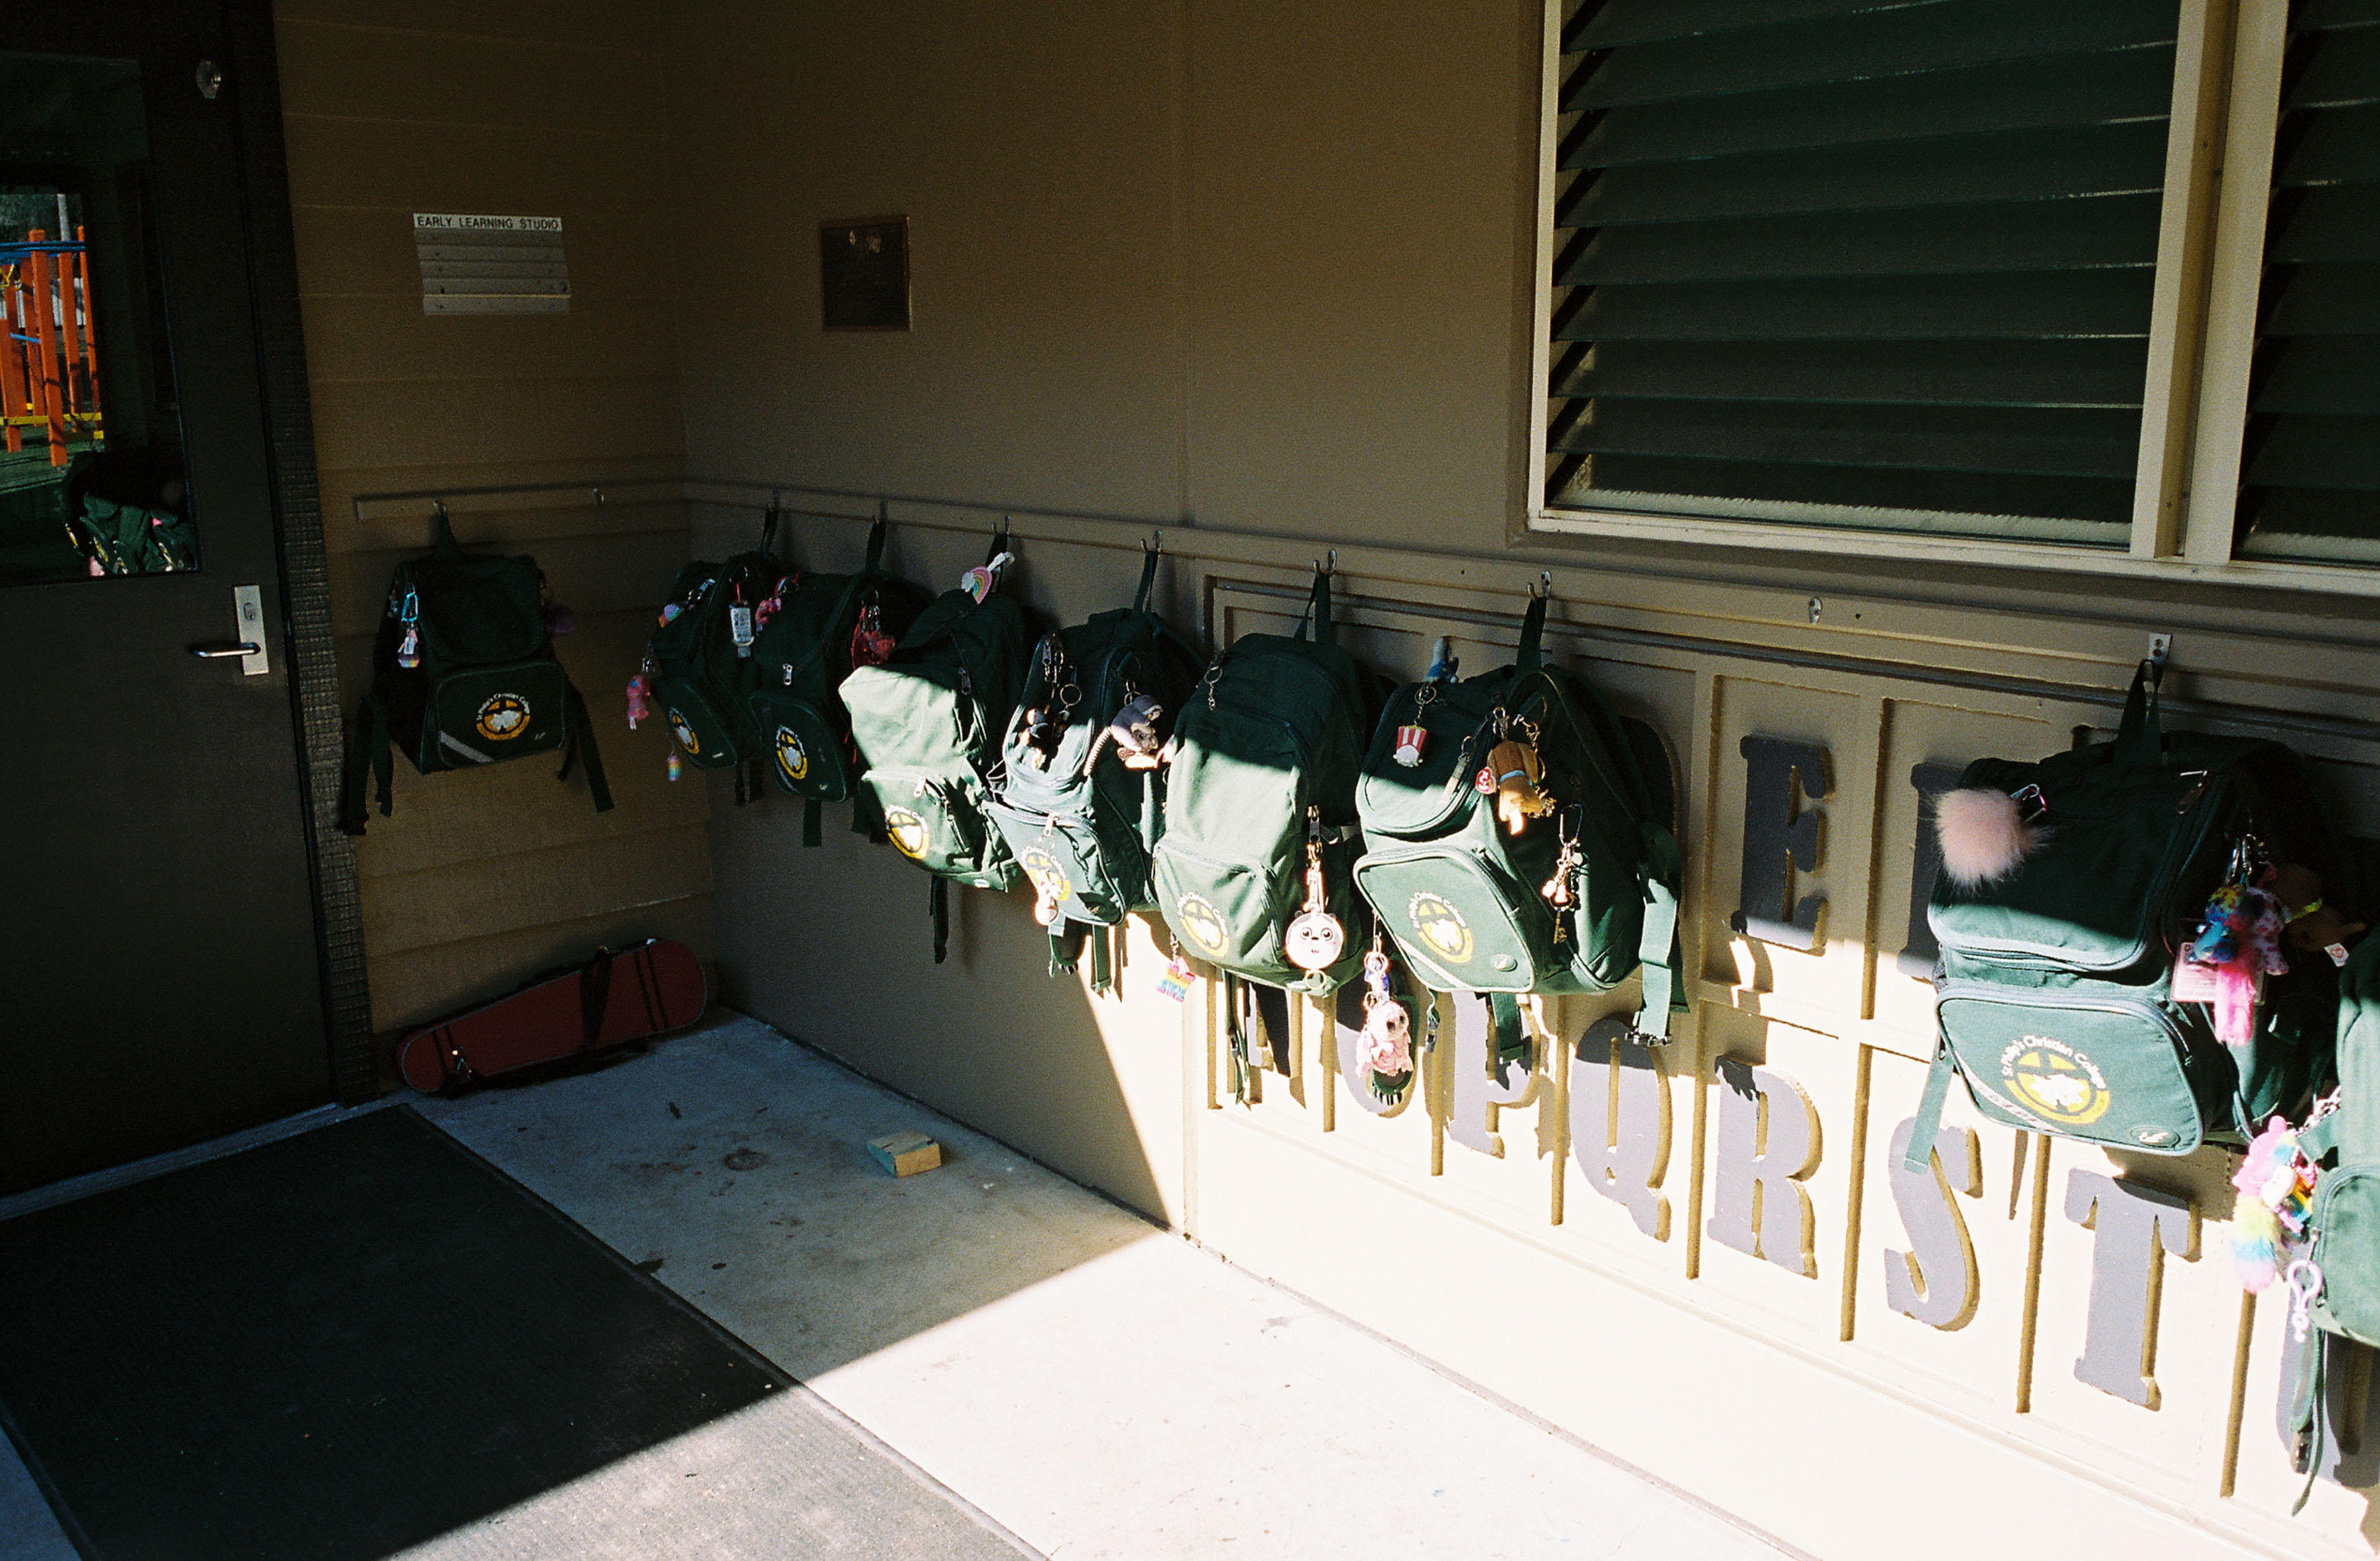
[{"x": 1079, "y": 1378}]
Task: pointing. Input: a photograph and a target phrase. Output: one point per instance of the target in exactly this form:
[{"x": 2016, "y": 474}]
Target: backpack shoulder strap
[
  {"x": 1317, "y": 610},
  {"x": 368, "y": 750},
  {"x": 578, "y": 742},
  {"x": 1147, "y": 579}
]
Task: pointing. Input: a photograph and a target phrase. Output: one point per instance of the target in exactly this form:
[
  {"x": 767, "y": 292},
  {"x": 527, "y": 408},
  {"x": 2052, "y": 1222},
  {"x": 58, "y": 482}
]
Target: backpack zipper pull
[
  {"x": 2304, "y": 1281},
  {"x": 2190, "y": 798}
]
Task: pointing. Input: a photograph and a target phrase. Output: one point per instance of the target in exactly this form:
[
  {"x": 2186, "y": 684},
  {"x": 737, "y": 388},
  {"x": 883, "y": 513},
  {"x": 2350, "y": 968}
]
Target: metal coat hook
[
  {"x": 1156, "y": 543},
  {"x": 599, "y": 497},
  {"x": 1328, "y": 564},
  {"x": 1543, "y": 590}
]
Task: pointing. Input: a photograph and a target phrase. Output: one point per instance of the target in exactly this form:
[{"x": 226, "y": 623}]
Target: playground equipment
[{"x": 49, "y": 365}]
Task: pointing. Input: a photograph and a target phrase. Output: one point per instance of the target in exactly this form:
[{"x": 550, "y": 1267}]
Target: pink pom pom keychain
[{"x": 1985, "y": 835}]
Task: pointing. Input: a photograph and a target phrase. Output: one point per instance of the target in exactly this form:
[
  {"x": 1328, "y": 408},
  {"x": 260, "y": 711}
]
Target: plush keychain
[
  {"x": 2238, "y": 943},
  {"x": 640, "y": 699},
  {"x": 1133, "y": 731},
  {"x": 1314, "y": 937},
  {"x": 2276, "y": 1183},
  {"x": 1511, "y": 774},
  {"x": 2311, "y": 925},
  {"x": 1985, "y": 835},
  {"x": 1387, "y": 1030}
]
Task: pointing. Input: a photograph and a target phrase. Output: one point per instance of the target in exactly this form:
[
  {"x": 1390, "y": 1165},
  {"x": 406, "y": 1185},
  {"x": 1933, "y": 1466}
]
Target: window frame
[{"x": 2226, "y": 110}]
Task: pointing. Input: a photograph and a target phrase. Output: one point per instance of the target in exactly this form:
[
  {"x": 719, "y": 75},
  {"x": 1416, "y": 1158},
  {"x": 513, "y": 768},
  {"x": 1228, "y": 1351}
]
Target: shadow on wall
[{"x": 833, "y": 946}]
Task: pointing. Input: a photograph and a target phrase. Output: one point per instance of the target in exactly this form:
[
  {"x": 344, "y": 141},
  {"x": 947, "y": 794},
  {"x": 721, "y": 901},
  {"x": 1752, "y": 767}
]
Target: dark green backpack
[
  {"x": 1079, "y": 821},
  {"x": 2340, "y": 1272},
  {"x": 928, "y": 723},
  {"x": 1265, "y": 757},
  {"x": 2054, "y": 988},
  {"x": 464, "y": 675},
  {"x": 1574, "y": 902},
  {"x": 699, "y": 662},
  {"x": 801, "y": 653}
]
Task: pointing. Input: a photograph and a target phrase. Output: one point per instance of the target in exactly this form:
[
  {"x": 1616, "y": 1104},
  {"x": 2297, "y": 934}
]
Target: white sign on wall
[{"x": 491, "y": 265}]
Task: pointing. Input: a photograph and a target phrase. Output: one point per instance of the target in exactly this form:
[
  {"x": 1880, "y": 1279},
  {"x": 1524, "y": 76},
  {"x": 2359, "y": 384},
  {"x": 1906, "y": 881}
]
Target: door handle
[{"x": 247, "y": 627}]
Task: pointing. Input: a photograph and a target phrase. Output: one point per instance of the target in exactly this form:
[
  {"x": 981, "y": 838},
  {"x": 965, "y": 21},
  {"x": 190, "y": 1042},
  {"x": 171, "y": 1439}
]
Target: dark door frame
[{"x": 253, "y": 80}]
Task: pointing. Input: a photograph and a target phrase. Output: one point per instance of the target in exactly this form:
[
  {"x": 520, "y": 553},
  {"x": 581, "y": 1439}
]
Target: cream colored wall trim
[
  {"x": 2185, "y": 231},
  {"x": 2254, "y": 118},
  {"x": 1541, "y": 349}
]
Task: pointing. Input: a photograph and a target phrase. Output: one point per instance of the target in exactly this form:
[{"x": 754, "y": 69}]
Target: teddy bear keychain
[{"x": 1388, "y": 1029}]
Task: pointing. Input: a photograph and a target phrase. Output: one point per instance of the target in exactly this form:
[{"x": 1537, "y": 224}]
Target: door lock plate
[{"x": 248, "y": 611}]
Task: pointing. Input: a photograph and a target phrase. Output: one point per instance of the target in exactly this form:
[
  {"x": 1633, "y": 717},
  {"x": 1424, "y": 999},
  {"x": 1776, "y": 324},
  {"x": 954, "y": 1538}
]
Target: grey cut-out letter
[
  {"x": 1768, "y": 1144},
  {"x": 1620, "y": 1120},
  {"x": 1918, "y": 949},
  {"x": 1781, "y": 839},
  {"x": 1935, "y": 1280},
  {"x": 1471, "y": 1120},
  {"x": 2131, "y": 1227}
]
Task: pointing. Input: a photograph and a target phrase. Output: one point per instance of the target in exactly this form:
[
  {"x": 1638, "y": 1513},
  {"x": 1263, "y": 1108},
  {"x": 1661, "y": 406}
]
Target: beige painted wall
[
  {"x": 1258, "y": 274},
  {"x": 480, "y": 880}
]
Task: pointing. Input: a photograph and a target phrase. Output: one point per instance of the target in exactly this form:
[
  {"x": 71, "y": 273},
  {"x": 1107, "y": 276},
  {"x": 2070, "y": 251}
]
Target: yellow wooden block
[{"x": 906, "y": 1154}]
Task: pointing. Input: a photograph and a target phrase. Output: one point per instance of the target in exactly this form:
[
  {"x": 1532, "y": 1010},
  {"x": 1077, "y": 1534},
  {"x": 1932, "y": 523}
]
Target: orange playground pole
[
  {"x": 90, "y": 320},
  {"x": 46, "y": 335},
  {"x": 14, "y": 397}
]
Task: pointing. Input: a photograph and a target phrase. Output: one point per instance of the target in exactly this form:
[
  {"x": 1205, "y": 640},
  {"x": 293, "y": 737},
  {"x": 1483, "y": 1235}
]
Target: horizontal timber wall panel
[{"x": 480, "y": 878}]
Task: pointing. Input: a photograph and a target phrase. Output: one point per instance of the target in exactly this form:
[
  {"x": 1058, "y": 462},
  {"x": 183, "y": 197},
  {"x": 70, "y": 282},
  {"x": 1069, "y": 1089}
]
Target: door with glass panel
[{"x": 159, "y": 976}]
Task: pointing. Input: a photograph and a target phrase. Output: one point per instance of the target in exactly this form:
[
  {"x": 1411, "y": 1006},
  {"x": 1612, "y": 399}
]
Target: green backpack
[
  {"x": 699, "y": 665},
  {"x": 802, "y": 651},
  {"x": 928, "y": 723},
  {"x": 2338, "y": 1277},
  {"x": 123, "y": 513},
  {"x": 1580, "y": 897},
  {"x": 2055, "y": 999},
  {"x": 1260, "y": 789},
  {"x": 464, "y": 675},
  {"x": 1080, "y": 819}
]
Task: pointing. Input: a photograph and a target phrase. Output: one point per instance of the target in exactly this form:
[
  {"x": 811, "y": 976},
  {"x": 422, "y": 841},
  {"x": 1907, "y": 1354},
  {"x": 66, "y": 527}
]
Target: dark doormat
[{"x": 334, "y": 1346}]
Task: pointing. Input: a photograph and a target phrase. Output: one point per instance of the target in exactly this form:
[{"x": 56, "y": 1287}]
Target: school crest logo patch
[
  {"x": 685, "y": 737},
  {"x": 1440, "y": 927},
  {"x": 2055, "y": 1082},
  {"x": 910, "y": 836},
  {"x": 791, "y": 757},
  {"x": 503, "y": 718},
  {"x": 1049, "y": 880},
  {"x": 1202, "y": 924}
]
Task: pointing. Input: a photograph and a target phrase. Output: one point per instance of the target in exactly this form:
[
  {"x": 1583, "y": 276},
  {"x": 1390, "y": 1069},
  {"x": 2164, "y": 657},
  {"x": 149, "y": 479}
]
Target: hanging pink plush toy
[
  {"x": 2275, "y": 1183},
  {"x": 2239, "y": 944}
]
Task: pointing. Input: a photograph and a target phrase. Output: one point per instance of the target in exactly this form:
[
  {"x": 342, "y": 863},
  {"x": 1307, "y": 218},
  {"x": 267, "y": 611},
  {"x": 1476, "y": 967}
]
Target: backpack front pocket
[
  {"x": 1461, "y": 922},
  {"x": 484, "y": 715},
  {"x": 2104, "y": 1069},
  {"x": 701, "y": 728},
  {"x": 2346, "y": 1221},
  {"x": 1060, "y": 853},
  {"x": 938, "y": 826},
  {"x": 803, "y": 752}
]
